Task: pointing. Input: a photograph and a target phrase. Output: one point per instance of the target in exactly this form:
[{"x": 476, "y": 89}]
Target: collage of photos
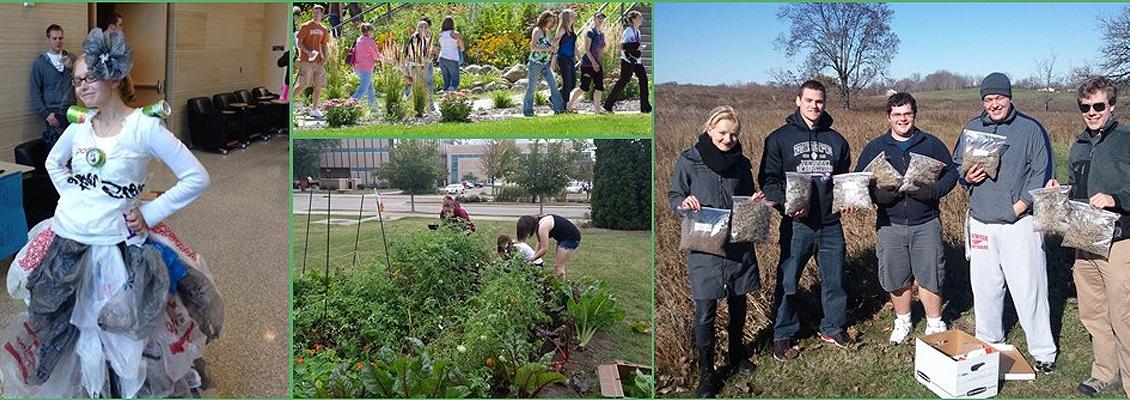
[{"x": 477, "y": 199}]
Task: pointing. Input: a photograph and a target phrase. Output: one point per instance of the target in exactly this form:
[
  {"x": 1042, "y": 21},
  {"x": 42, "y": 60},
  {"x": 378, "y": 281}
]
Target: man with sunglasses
[
  {"x": 1003, "y": 248},
  {"x": 50, "y": 86},
  {"x": 1100, "y": 175}
]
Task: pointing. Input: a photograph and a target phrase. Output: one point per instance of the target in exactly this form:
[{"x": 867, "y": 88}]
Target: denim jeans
[
  {"x": 365, "y": 88},
  {"x": 539, "y": 70},
  {"x": 449, "y": 70},
  {"x": 567, "y": 66},
  {"x": 798, "y": 243}
]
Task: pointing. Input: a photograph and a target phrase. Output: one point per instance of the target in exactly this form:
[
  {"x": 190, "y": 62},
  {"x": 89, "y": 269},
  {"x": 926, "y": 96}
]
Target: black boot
[
  {"x": 708, "y": 380},
  {"x": 737, "y": 358}
]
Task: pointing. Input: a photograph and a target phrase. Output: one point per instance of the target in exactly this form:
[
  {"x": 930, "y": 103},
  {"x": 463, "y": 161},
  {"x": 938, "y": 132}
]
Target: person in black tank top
[{"x": 548, "y": 226}]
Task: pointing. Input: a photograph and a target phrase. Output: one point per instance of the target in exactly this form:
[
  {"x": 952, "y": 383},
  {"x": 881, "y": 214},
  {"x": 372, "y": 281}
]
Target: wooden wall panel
[{"x": 23, "y": 31}]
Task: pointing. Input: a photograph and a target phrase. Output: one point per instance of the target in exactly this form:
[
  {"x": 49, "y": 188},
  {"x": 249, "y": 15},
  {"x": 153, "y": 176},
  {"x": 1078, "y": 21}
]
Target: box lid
[{"x": 1013, "y": 366}]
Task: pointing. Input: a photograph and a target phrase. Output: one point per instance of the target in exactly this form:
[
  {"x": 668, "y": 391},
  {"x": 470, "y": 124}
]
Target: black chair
[
  {"x": 279, "y": 110},
  {"x": 40, "y": 196},
  {"x": 258, "y": 116},
  {"x": 212, "y": 128},
  {"x": 228, "y": 102}
]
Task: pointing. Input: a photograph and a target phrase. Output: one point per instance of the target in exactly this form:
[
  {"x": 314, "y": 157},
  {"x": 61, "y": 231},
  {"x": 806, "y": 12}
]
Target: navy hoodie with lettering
[{"x": 819, "y": 151}]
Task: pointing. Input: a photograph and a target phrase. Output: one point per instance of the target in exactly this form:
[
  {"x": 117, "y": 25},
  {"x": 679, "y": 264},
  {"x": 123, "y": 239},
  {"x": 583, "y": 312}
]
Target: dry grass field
[{"x": 680, "y": 112}]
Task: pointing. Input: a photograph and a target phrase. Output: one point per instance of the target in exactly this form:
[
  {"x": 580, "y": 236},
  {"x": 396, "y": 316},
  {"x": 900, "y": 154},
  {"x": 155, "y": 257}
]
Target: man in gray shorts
[{"x": 910, "y": 247}]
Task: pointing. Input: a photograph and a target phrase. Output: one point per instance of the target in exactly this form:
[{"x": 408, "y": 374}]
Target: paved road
[{"x": 425, "y": 205}]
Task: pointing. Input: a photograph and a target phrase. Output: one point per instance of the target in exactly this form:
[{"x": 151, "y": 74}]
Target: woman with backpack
[
  {"x": 363, "y": 57},
  {"x": 631, "y": 63}
]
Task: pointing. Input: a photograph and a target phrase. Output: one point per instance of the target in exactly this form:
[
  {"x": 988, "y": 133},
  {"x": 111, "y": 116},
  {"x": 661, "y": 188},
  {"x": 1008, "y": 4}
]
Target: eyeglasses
[
  {"x": 77, "y": 81},
  {"x": 1099, "y": 107}
]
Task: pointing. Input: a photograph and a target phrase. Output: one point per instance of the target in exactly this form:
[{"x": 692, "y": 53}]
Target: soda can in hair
[
  {"x": 160, "y": 109},
  {"x": 77, "y": 114}
]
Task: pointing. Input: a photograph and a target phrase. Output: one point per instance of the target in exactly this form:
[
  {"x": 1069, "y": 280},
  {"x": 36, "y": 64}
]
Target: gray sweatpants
[{"x": 1012, "y": 256}]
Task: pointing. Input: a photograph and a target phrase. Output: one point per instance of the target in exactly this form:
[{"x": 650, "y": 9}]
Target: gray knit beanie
[{"x": 996, "y": 83}]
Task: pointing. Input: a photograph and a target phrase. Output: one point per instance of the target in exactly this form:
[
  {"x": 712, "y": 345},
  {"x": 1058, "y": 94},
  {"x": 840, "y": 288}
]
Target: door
[{"x": 146, "y": 28}]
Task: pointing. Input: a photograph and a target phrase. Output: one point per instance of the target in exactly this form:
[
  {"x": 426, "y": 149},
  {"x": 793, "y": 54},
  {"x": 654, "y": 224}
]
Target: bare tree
[
  {"x": 1047, "y": 78},
  {"x": 1115, "y": 60},
  {"x": 855, "y": 40},
  {"x": 1078, "y": 75}
]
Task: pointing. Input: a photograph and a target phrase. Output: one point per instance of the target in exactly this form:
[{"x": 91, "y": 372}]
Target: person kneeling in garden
[
  {"x": 453, "y": 214},
  {"x": 507, "y": 247}
]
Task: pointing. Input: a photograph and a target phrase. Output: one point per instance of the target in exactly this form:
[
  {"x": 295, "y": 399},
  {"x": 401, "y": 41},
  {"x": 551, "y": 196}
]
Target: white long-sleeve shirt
[{"x": 94, "y": 199}]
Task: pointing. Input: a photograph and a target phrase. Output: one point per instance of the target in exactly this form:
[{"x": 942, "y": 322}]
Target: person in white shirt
[
  {"x": 104, "y": 276},
  {"x": 507, "y": 246}
]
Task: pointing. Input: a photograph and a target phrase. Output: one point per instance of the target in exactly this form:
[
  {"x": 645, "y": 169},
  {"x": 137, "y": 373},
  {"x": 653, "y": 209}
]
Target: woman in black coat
[{"x": 707, "y": 175}]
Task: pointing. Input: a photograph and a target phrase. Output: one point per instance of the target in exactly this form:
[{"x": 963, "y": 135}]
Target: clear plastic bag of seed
[
  {"x": 921, "y": 172},
  {"x": 1092, "y": 229},
  {"x": 851, "y": 191},
  {"x": 798, "y": 188},
  {"x": 706, "y": 230},
  {"x": 886, "y": 176},
  {"x": 750, "y": 220},
  {"x": 1050, "y": 210},
  {"x": 982, "y": 148}
]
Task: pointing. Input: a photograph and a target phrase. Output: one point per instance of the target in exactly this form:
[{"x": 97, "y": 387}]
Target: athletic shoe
[
  {"x": 839, "y": 339},
  {"x": 1092, "y": 387},
  {"x": 316, "y": 114},
  {"x": 783, "y": 350},
  {"x": 901, "y": 330},
  {"x": 1047, "y": 367}
]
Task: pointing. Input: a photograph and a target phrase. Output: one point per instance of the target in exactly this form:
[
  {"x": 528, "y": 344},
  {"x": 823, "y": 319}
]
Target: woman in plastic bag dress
[{"x": 117, "y": 305}]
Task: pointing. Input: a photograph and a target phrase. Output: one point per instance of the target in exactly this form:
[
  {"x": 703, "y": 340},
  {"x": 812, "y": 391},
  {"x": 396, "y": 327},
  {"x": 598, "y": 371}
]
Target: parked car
[
  {"x": 577, "y": 187},
  {"x": 454, "y": 188},
  {"x": 476, "y": 183}
]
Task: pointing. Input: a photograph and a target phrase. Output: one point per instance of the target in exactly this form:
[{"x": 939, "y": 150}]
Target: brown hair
[
  {"x": 52, "y": 27},
  {"x": 543, "y": 19},
  {"x": 366, "y": 28},
  {"x": 631, "y": 16},
  {"x": 504, "y": 244},
  {"x": 722, "y": 113},
  {"x": 448, "y": 24},
  {"x": 901, "y": 99},
  {"x": 811, "y": 84},
  {"x": 1096, "y": 84},
  {"x": 527, "y": 225}
]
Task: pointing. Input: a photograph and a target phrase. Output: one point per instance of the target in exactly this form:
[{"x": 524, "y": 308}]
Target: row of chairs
[{"x": 232, "y": 120}]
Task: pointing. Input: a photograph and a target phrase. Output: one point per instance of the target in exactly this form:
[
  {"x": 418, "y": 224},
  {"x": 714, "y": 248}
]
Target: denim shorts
[{"x": 568, "y": 244}]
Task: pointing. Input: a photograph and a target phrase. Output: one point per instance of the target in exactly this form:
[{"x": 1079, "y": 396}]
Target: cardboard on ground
[{"x": 1013, "y": 366}]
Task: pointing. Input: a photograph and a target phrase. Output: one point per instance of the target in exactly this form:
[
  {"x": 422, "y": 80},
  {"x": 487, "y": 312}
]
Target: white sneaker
[
  {"x": 316, "y": 114},
  {"x": 901, "y": 331},
  {"x": 932, "y": 328}
]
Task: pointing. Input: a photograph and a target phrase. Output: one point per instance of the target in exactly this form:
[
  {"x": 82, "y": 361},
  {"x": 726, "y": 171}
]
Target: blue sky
[{"x": 715, "y": 43}]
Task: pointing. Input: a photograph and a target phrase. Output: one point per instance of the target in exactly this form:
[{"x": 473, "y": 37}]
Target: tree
[
  {"x": 308, "y": 155},
  {"x": 500, "y": 160},
  {"x": 621, "y": 190},
  {"x": 1115, "y": 60},
  {"x": 544, "y": 171},
  {"x": 1077, "y": 75},
  {"x": 582, "y": 166},
  {"x": 855, "y": 40},
  {"x": 413, "y": 166},
  {"x": 1047, "y": 78}
]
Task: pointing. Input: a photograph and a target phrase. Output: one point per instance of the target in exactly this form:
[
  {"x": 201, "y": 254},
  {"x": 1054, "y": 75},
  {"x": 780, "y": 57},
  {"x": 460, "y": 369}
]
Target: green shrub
[
  {"x": 419, "y": 97},
  {"x": 512, "y": 193},
  {"x": 455, "y": 107},
  {"x": 621, "y": 193},
  {"x": 541, "y": 99},
  {"x": 391, "y": 86},
  {"x": 342, "y": 112},
  {"x": 501, "y": 99},
  {"x": 364, "y": 308}
]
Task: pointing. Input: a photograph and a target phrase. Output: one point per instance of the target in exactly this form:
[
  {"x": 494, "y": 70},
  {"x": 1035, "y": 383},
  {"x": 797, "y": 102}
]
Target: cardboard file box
[{"x": 973, "y": 377}]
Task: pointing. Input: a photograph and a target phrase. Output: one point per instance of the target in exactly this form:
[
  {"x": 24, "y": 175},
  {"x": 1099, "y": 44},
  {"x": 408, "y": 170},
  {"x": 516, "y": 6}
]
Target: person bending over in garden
[
  {"x": 909, "y": 230},
  {"x": 105, "y": 275},
  {"x": 553, "y": 226},
  {"x": 450, "y": 53},
  {"x": 507, "y": 247},
  {"x": 418, "y": 59},
  {"x": 707, "y": 175},
  {"x": 453, "y": 213},
  {"x": 365, "y": 56},
  {"x": 565, "y": 61},
  {"x": 592, "y": 74},
  {"x": 631, "y": 63},
  {"x": 541, "y": 51}
]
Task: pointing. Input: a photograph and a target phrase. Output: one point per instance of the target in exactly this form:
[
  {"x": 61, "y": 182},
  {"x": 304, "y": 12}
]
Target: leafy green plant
[
  {"x": 531, "y": 378},
  {"x": 541, "y": 99},
  {"x": 593, "y": 309},
  {"x": 641, "y": 327},
  {"x": 512, "y": 193},
  {"x": 342, "y": 112},
  {"x": 391, "y": 84},
  {"x": 455, "y": 107},
  {"x": 501, "y": 99},
  {"x": 419, "y": 97},
  {"x": 411, "y": 377},
  {"x": 642, "y": 386}
]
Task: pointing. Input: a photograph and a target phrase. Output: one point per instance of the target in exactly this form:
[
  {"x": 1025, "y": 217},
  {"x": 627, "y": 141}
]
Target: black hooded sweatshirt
[{"x": 820, "y": 152}]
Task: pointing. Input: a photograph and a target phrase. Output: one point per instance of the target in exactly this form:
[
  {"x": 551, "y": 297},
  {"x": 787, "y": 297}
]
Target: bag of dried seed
[
  {"x": 981, "y": 148},
  {"x": 1050, "y": 210},
  {"x": 922, "y": 172},
  {"x": 750, "y": 220},
  {"x": 851, "y": 191},
  {"x": 705, "y": 230},
  {"x": 1092, "y": 229},
  {"x": 885, "y": 174},
  {"x": 798, "y": 188}
]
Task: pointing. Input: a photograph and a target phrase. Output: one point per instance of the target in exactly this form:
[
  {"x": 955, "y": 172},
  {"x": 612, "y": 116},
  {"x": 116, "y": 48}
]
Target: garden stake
[
  {"x": 307, "y": 245},
  {"x": 326, "y": 293},
  {"x": 380, "y": 218},
  {"x": 358, "y": 236}
]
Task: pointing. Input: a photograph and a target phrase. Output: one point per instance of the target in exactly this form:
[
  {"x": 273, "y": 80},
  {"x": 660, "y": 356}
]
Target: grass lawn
[
  {"x": 633, "y": 124},
  {"x": 621, "y": 259}
]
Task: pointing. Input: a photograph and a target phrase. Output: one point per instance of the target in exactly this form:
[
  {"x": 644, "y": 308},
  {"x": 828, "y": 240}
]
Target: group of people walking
[{"x": 1005, "y": 251}]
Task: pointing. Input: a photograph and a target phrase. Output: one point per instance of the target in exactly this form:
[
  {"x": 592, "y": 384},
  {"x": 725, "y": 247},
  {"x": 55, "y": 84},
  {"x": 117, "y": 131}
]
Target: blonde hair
[
  {"x": 566, "y": 14},
  {"x": 722, "y": 113}
]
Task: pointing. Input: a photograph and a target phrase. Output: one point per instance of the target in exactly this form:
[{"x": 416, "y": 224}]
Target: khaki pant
[{"x": 1104, "y": 308}]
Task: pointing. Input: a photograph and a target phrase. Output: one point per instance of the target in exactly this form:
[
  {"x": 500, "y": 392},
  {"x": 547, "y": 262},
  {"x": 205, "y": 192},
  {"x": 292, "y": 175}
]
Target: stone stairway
[{"x": 645, "y": 33}]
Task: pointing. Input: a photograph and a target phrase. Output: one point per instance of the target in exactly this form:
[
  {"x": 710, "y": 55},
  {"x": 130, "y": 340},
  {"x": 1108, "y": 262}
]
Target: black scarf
[{"x": 727, "y": 164}]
